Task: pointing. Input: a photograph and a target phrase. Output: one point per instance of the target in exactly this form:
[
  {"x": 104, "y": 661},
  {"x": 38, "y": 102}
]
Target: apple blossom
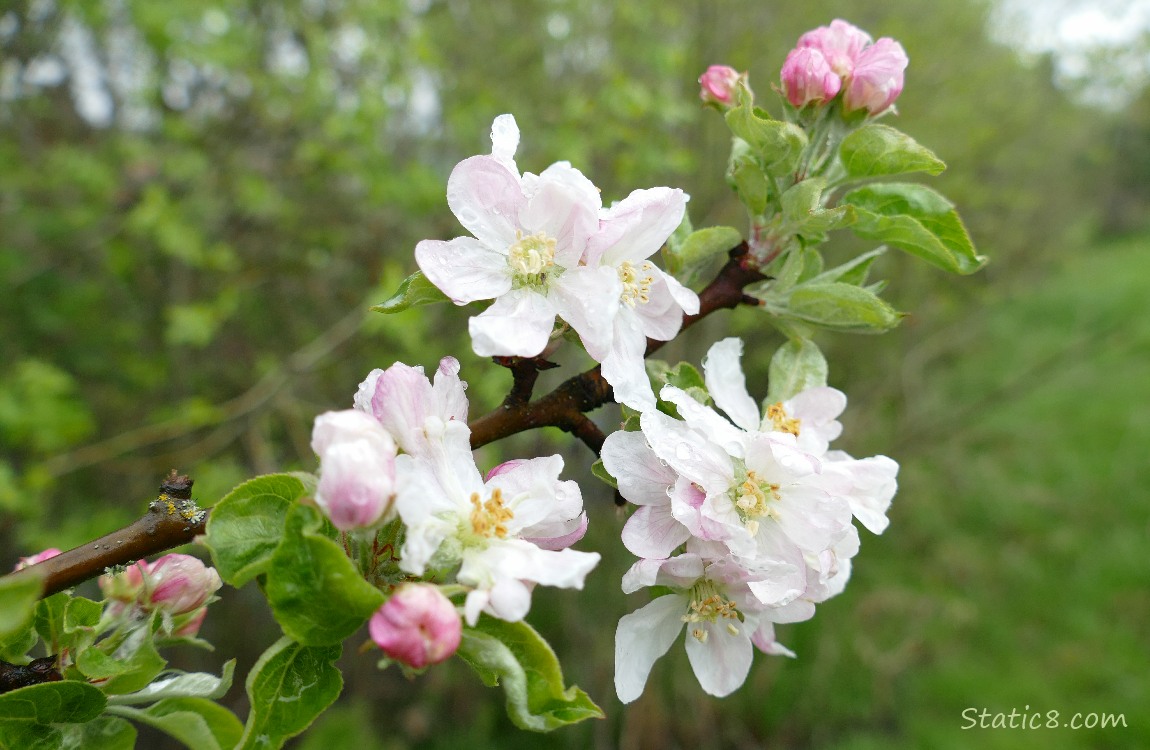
[
  {"x": 417, "y": 626},
  {"x": 39, "y": 557},
  {"x": 717, "y": 85},
  {"x": 807, "y": 78},
  {"x": 877, "y": 79},
  {"x": 403, "y": 400},
  {"x": 840, "y": 44},
  {"x": 356, "y": 487}
]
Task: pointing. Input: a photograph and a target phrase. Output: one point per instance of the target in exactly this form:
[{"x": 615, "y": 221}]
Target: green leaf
[
  {"x": 796, "y": 366},
  {"x": 413, "y": 291},
  {"x": 102, "y": 733},
  {"x": 181, "y": 685},
  {"x": 842, "y": 307},
  {"x": 600, "y": 471},
  {"x": 65, "y": 701},
  {"x": 317, "y": 594},
  {"x": 701, "y": 246},
  {"x": 49, "y": 619},
  {"x": 134, "y": 665},
  {"x": 854, "y": 271},
  {"x": 289, "y": 687},
  {"x": 779, "y": 144},
  {"x": 915, "y": 219},
  {"x": 747, "y": 178},
  {"x": 197, "y": 722},
  {"x": 513, "y": 654},
  {"x": 875, "y": 150},
  {"x": 246, "y": 526},
  {"x": 18, "y": 597},
  {"x": 804, "y": 214}
]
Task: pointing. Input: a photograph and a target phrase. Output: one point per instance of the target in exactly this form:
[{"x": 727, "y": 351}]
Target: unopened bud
[
  {"x": 808, "y": 78},
  {"x": 717, "y": 85},
  {"x": 357, "y": 469},
  {"x": 877, "y": 79},
  {"x": 418, "y": 626},
  {"x": 180, "y": 584},
  {"x": 39, "y": 557}
]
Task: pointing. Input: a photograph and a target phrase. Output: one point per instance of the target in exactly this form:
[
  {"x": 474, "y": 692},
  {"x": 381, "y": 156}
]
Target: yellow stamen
[
  {"x": 782, "y": 423},
  {"x": 490, "y": 518},
  {"x": 636, "y": 288}
]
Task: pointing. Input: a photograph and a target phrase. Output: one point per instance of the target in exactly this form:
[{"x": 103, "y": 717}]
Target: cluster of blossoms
[
  {"x": 747, "y": 517},
  {"x": 404, "y": 451},
  {"x": 842, "y": 57},
  {"x": 545, "y": 247},
  {"x": 179, "y": 587}
]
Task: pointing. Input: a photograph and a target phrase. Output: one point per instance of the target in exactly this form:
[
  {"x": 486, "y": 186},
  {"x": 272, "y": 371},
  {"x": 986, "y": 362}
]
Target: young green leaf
[
  {"x": 600, "y": 471},
  {"x": 62, "y": 702},
  {"x": 413, "y": 291},
  {"x": 514, "y": 655},
  {"x": 841, "y": 307},
  {"x": 316, "y": 593},
  {"x": 102, "y": 733},
  {"x": 795, "y": 366},
  {"x": 181, "y": 685},
  {"x": 779, "y": 144},
  {"x": 18, "y": 597},
  {"x": 701, "y": 246},
  {"x": 132, "y": 667},
  {"x": 289, "y": 687},
  {"x": 915, "y": 219},
  {"x": 197, "y": 722},
  {"x": 876, "y": 150},
  {"x": 246, "y": 526}
]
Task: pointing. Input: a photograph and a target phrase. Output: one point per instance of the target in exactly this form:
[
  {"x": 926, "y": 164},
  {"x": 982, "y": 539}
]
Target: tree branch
[{"x": 172, "y": 519}]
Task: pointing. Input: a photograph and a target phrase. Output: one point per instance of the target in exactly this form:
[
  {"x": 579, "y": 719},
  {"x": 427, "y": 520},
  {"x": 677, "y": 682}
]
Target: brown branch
[
  {"x": 172, "y": 520},
  {"x": 566, "y": 406}
]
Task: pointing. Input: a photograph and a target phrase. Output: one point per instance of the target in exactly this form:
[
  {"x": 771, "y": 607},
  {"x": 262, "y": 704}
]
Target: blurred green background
[{"x": 199, "y": 201}]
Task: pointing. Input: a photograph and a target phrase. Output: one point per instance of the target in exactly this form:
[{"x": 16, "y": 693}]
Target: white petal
[
  {"x": 641, "y": 638},
  {"x": 564, "y": 206},
  {"x": 683, "y": 296},
  {"x": 509, "y": 600},
  {"x": 624, "y": 367},
  {"x": 505, "y": 140},
  {"x": 450, "y": 391},
  {"x": 653, "y": 532},
  {"x": 661, "y": 316},
  {"x": 637, "y": 226},
  {"x": 588, "y": 299},
  {"x": 688, "y": 452},
  {"x": 723, "y": 661},
  {"x": 705, "y": 420},
  {"x": 402, "y": 402},
  {"x": 723, "y": 373},
  {"x": 679, "y": 572},
  {"x": 643, "y": 479},
  {"x": 518, "y": 324},
  {"x": 486, "y": 197},
  {"x": 464, "y": 269}
]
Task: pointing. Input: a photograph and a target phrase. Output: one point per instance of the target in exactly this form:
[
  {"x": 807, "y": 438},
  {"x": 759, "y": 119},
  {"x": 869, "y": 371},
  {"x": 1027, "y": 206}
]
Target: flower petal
[
  {"x": 464, "y": 269},
  {"x": 641, "y": 638},
  {"x": 486, "y": 197},
  {"x": 637, "y": 226},
  {"x": 721, "y": 661},
  {"x": 624, "y": 367},
  {"x": 518, "y": 324},
  {"x": 642, "y": 478},
  {"x": 652, "y": 532},
  {"x": 723, "y": 373}
]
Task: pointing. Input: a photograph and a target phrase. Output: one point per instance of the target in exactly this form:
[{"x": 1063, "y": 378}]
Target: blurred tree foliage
[{"x": 199, "y": 201}]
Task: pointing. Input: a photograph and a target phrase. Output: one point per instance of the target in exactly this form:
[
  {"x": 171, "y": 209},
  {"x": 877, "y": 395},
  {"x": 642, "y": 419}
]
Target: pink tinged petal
[
  {"x": 688, "y": 452},
  {"x": 814, "y": 520},
  {"x": 641, "y": 638},
  {"x": 877, "y": 79},
  {"x": 624, "y": 367},
  {"x": 518, "y": 324},
  {"x": 808, "y": 78},
  {"x": 643, "y": 479},
  {"x": 486, "y": 197},
  {"x": 418, "y": 626},
  {"x": 721, "y": 662},
  {"x": 867, "y": 484},
  {"x": 683, "y": 296},
  {"x": 464, "y": 269},
  {"x": 356, "y": 485},
  {"x": 723, "y": 374},
  {"x": 366, "y": 391},
  {"x": 564, "y": 206},
  {"x": 710, "y": 518},
  {"x": 37, "y": 558},
  {"x": 764, "y": 640},
  {"x": 681, "y": 572},
  {"x": 335, "y": 427},
  {"x": 505, "y": 141},
  {"x": 661, "y": 316},
  {"x": 588, "y": 300},
  {"x": 577, "y": 526},
  {"x": 450, "y": 391},
  {"x": 402, "y": 402},
  {"x": 532, "y": 491},
  {"x": 636, "y": 227},
  {"x": 653, "y": 532},
  {"x": 841, "y": 43},
  {"x": 702, "y": 418}
]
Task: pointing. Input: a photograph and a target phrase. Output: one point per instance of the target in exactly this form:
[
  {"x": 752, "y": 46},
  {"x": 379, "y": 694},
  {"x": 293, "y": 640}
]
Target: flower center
[
  {"x": 531, "y": 258},
  {"x": 636, "y": 287},
  {"x": 708, "y": 605},
  {"x": 777, "y": 416},
  {"x": 753, "y": 499},
  {"x": 489, "y": 519}
]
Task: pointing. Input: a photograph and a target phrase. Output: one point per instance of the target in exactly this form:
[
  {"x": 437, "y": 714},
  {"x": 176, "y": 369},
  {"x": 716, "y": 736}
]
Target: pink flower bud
[
  {"x": 718, "y": 84},
  {"x": 190, "y": 627},
  {"x": 126, "y": 585},
  {"x": 807, "y": 77},
  {"x": 841, "y": 43},
  {"x": 877, "y": 79},
  {"x": 180, "y": 584},
  {"x": 39, "y": 557},
  {"x": 357, "y": 469},
  {"x": 418, "y": 626}
]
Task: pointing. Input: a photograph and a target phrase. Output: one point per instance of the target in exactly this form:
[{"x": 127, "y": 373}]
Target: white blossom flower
[
  {"x": 723, "y": 617},
  {"x": 404, "y": 400}
]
